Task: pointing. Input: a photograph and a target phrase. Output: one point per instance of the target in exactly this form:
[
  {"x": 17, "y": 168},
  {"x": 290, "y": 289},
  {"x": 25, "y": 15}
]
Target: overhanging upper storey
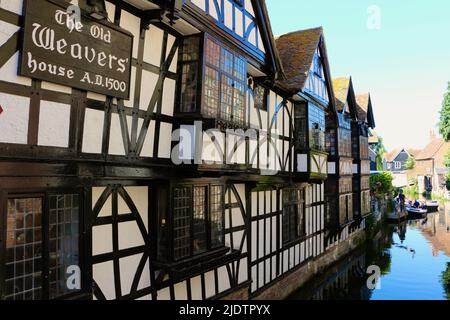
[
  {"x": 306, "y": 68},
  {"x": 243, "y": 23}
]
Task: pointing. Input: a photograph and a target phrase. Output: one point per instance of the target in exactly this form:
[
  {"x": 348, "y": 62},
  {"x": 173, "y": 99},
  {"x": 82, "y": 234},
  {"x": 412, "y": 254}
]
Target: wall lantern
[{"x": 95, "y": 8}]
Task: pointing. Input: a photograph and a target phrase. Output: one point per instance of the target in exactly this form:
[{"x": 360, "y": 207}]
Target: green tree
[
  {"x": 380, "y": 151},
  {"x": 447, "y": 164},
  {"x": 381, "y": 184},
  {"x": 444, "y": 123},
  {"x": 410, "y": 163},
  {"x": 447, "y": 159}
]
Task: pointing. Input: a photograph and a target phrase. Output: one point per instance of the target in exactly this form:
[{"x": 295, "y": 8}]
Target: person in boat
[
  {"x": 401, "y": 200},
  {"x": 416, "y": 204}
]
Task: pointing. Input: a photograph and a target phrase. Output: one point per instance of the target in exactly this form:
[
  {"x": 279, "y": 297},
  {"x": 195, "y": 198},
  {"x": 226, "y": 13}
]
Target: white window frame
[{"x": 398, "y": 165}]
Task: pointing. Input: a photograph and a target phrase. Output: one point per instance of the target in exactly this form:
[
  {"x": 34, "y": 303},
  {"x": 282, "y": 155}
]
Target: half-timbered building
[
  {"x": 341, "y": 158},
  {"x": 361, "y": 158},
  {"x": 158, "y": 149}
]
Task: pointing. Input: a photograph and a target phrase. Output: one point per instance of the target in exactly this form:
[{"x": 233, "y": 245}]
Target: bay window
[
  {"x": 316, "y": 127},
  {"x": 42, "y": 247},
  {"x": 220, "y": 92},
  {"x": 189, "y": 69}
]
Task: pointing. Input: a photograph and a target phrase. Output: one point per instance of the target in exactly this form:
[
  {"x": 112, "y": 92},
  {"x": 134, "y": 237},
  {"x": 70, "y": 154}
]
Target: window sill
[{"x": 199, "y": 263}]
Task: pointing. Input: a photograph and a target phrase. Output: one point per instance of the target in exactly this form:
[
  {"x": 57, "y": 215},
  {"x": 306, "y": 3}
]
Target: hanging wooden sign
[{"x": 76, "y": 51}]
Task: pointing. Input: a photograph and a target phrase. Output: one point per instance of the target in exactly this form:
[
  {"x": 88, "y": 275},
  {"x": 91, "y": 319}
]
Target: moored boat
[
  {"x": 432, "y": 206},
  {"x": 416, "y": 213}
]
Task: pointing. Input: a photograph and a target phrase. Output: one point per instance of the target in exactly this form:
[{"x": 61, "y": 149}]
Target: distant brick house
[{"x": 430, "y": 169}]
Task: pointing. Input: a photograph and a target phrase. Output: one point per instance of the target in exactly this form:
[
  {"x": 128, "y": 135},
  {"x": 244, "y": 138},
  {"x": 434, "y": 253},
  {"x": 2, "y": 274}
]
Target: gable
[
  {"x": 345, "y": 96},
  {"x": 317, "y": 84},
  {"x": 402, "y": 156},
  {"x": 238, "y": 18}
]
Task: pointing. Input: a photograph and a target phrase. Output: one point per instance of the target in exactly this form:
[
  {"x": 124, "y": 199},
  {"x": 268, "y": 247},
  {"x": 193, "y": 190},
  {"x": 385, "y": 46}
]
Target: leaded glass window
[
  {"x": 23, "y": 269},
  {"x": 229, "y": 72},
  {"x": 63, "y": 241},
  {"x": 199, "y": 213},
  {"x": 198, "y": 220},
  {"x": 36, "y": 269},
  {"x": 182, "y": 222},
  {"x": 217, "y": 216},
  {"x": 260, "y": 97},
  {"x": 293, "y": 214},
  {"x": 212, "y": 91},
  {"x": 316, "y": 127},
  {"x": 189, "y": 62}
]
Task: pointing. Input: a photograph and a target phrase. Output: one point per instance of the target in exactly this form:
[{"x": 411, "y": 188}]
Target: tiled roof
[
  {"x": 341, "y": 86},
  {"x": 431, "y": 149},
  {"x": 362, "y": 101},
  {"x": 296, "y": 51},
  {"x": 414, "y": 152},
  {"x": 390, "y": 156}
]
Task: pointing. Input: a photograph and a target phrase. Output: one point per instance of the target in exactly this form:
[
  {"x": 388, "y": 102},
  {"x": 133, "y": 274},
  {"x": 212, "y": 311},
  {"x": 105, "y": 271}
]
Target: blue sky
[{"x": 405, "y": 64}]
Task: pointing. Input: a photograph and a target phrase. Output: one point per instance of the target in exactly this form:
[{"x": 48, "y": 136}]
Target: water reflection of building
[
  {"x": 436, "y": 229},
  {"x": 347, "y": 280}
]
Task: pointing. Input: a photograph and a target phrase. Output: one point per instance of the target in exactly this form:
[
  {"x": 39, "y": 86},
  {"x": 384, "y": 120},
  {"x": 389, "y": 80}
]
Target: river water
[{"x": 413, "y": 257}]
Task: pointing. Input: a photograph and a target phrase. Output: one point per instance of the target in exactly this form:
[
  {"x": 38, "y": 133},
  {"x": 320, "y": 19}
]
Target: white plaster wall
[
  {"x": 106, "y": 210},
  {"x": 181, "y": 291},
  {"x": 93, "y": 131},
  {"x": 168, "y": 99},
  {"x": 149, "y": 143},
  {"x": 153, "y": 45},
  {"x": 170, "y": 42},
  {"x": 14, "y": 119},
  {"x": 196, "y": 288},
  {"x": 9, "y": 73},
  {"x": 54, "y": 124},
  {"x": 165, "y": 140},
  {"x": 101, "y": 239},
  {"x": 239, "y": 23},
  {"x": 103, "y": 273},
  {"x": 132, "y": 24},
  {"x": 15, "y": 6},
  {"x": 128, "y": 268},
  {"x": 148, "y": 86},
  {"x": 56, "y": 87}
]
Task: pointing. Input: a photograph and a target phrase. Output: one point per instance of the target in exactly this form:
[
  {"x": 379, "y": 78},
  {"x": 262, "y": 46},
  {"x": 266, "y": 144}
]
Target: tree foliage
[
  {"x": 447, "y": 159},
  {"x": 447, "y": 164},
  {"x": 444, "y": 123},
  {"x": 410, "y": 163},
  {"x": 380, "y": 151},
  {"x": 381, "y": 184}
]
